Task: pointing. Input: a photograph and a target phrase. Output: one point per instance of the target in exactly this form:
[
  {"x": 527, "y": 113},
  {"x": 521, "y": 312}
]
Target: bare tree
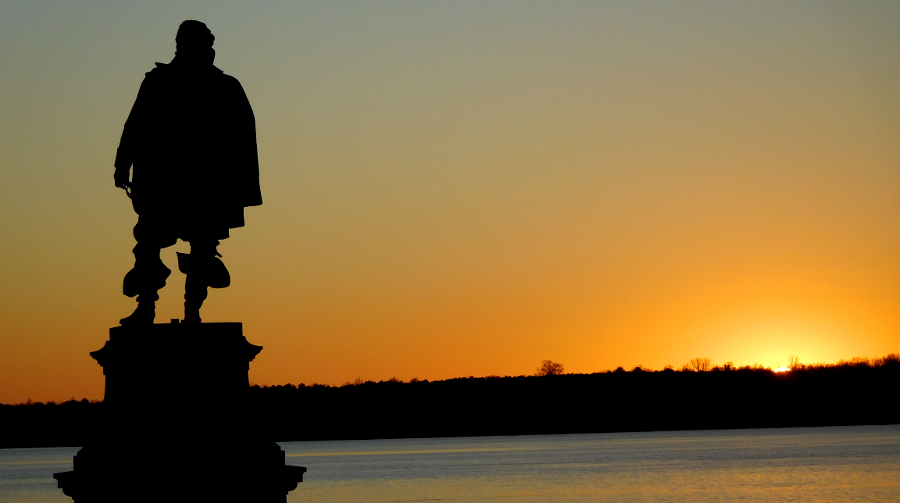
[
  {"x": 794, "y": 362},
  {"x": 549, "y": 368},
  {"x": 698, "y": 365}
]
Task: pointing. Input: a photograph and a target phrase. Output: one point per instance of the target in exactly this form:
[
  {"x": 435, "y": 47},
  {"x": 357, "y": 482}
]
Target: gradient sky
[{"x": 467, "y": 188}]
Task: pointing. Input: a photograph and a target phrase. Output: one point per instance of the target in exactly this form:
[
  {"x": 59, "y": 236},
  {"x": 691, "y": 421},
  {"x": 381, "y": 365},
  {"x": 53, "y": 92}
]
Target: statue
[
  {"x": 191, "y": 137},
  {"x": 182, "y": 389}
]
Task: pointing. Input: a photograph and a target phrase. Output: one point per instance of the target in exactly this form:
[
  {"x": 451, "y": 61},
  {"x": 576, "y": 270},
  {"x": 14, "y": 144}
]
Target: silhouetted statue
[
  {"x": 181, "y": 389},
  {"x": 191, "y": 137}
]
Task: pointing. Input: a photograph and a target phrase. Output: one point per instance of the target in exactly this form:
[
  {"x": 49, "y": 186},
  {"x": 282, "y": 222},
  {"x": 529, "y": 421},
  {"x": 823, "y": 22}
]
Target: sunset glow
[{"x": 470, "y": 188}]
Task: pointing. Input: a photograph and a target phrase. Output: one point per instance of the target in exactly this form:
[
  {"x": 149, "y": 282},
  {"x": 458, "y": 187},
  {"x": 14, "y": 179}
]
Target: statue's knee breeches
[{"x": 151, "y": 236}]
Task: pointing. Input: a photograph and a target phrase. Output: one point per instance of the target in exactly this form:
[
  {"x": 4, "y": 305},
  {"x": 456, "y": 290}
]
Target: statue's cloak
[{"x": 191, "y": 137}]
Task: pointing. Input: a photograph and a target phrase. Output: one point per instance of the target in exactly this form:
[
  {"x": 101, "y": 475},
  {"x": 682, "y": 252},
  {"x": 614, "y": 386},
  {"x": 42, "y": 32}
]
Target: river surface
[{"x": 860, "y": 463}]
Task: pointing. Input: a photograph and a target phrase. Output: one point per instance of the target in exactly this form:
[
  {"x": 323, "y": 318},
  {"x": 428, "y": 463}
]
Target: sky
[{"x": 467, "y": 188}]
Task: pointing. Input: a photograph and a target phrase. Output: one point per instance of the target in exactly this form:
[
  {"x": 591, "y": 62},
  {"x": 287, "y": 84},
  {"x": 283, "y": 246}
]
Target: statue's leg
[
  {"x": 204, "y": 270},
  {"x": 148, "y": 275},
  {"x": 195, "y": 292}
]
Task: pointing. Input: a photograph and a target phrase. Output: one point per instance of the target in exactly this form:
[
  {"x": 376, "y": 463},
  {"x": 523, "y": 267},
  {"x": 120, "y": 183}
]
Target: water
[
  {"x": 844, "y": 464},
  {"x": 27, "y": 474}
]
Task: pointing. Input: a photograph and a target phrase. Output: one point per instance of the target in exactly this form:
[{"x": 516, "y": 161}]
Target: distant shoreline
[{"x": 846, "y": 394}]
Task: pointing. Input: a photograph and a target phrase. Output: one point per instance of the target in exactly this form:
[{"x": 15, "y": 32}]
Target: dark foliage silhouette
[
  {"x": 698, "y": 365},
  {"x": 191, "y": 138},
  {"x": 550, "y": 368},
  {"x": 858, "y": 391}
]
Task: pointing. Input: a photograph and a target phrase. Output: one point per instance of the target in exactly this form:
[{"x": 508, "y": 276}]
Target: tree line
[{"x": 699, "y": 396}]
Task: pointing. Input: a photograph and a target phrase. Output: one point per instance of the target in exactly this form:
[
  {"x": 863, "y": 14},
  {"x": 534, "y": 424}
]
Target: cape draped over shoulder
[{"x": 191, "y": 137}]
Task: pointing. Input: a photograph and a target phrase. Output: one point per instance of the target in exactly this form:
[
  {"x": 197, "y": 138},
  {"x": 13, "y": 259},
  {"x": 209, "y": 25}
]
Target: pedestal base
[
  {"x": 176, "y": 425},
  {"x": 180, "y": 473}
]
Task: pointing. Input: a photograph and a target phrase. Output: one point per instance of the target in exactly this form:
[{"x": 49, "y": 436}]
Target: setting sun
[
  {"x": 503, "y": 250},
  {"x": 454, "y": 189}
]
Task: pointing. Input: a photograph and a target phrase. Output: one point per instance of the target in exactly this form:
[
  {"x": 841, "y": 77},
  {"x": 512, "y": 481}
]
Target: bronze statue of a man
[{"x": 191, "y": 137}]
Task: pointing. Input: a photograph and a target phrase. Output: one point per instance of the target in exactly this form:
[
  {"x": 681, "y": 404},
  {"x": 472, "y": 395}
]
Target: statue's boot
[
  {"x": 145, "y": 312},
  {"x": 144, "y": 280},
  {"x": 195, "y": 292},
  {"x": 203, "y": 269}
]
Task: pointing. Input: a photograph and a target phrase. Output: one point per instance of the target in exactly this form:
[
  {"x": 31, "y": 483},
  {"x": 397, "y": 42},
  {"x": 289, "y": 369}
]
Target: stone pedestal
[{"x": 176, "y": 422}]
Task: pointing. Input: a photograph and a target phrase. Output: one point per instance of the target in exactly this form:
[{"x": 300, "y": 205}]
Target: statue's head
[{"x": 194, "y": 42}]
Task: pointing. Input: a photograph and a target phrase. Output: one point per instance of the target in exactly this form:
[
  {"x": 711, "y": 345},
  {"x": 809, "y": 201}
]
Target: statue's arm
[{"x": 130, "y": 137}]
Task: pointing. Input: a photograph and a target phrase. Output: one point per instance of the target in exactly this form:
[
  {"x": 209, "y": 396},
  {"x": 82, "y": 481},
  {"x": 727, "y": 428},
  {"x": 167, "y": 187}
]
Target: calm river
[{"x": 859, "y": 463}]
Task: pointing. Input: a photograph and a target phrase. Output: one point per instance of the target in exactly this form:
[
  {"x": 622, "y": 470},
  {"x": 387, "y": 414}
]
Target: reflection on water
[{"x": 800, "y": 464}]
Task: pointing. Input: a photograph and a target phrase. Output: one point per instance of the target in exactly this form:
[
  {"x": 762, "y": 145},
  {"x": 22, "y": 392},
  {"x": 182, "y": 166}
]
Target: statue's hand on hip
[{"x": 121, "y": 178}]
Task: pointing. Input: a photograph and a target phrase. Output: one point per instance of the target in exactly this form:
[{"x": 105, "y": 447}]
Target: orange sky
[{"x": 468, "y": 188}]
